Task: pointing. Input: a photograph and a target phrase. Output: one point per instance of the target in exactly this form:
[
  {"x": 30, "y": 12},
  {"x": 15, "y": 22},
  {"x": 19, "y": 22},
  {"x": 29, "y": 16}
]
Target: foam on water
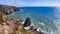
[
  {"x": 57, "y": 20},
  {"x": 41, "y": 23}
]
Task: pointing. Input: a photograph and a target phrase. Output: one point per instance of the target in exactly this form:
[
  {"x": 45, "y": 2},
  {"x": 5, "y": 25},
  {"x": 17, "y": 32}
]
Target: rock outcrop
[
  {"x": 8, "y": 9},
  {"x": 27, "y": 22}
]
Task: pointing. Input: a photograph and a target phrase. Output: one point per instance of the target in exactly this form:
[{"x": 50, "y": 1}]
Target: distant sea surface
[{"x": 45, "y": 19}]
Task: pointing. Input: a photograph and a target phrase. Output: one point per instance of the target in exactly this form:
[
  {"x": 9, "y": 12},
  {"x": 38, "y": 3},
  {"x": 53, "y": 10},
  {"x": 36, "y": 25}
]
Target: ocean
[{"x": 46, "y": 19}]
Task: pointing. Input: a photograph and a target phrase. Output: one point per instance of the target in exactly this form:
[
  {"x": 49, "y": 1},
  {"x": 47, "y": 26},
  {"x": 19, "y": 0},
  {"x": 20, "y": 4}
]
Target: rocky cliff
[{"x": 7, "y": 10}]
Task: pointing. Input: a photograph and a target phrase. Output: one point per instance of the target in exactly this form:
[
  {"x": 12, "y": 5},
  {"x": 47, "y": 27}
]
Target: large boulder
[{"x": 27, "y": 22}]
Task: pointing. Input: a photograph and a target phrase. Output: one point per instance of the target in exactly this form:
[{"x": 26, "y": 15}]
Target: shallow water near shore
[{"x": 44, "y": 18}]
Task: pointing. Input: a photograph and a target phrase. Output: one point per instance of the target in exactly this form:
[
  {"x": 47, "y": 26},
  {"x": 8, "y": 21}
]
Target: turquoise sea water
[{"x": 42, "y": 17}]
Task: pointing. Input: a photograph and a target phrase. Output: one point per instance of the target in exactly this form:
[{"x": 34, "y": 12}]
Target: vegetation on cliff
[{"x": 8, "y": 9}]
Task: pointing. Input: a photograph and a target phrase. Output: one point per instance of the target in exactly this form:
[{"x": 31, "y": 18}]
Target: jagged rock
[
  {"x": 5, "y": 29},
  {"x": 21, "y": 26},
  {"x": 33, "y": 28},
  {"x": 27, "y": 22},
  {"x": 34, "y": 32},
  {"x": 41, "y": 33},
  {"x": 17, "y": 21}
]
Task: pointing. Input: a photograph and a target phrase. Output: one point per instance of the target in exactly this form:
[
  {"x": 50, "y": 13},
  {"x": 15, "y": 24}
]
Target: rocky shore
[{"x": 14, "y": 25}]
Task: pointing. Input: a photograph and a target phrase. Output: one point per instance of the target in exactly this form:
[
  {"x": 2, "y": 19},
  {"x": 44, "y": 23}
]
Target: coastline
[{"x": 15, "y": 26}]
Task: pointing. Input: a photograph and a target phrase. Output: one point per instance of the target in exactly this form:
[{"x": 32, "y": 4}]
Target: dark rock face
[{"x": 27, "y": 22}]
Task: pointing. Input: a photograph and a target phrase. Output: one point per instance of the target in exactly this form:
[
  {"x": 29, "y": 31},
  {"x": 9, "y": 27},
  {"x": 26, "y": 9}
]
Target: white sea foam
[
  {"x": 41, "y": 23},
  {"x": 56, "y": 22},
  {"x": 38, "y": 29}
]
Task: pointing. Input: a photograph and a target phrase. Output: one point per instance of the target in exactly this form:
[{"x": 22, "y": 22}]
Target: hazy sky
[{"x": 31, "y": 2}]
